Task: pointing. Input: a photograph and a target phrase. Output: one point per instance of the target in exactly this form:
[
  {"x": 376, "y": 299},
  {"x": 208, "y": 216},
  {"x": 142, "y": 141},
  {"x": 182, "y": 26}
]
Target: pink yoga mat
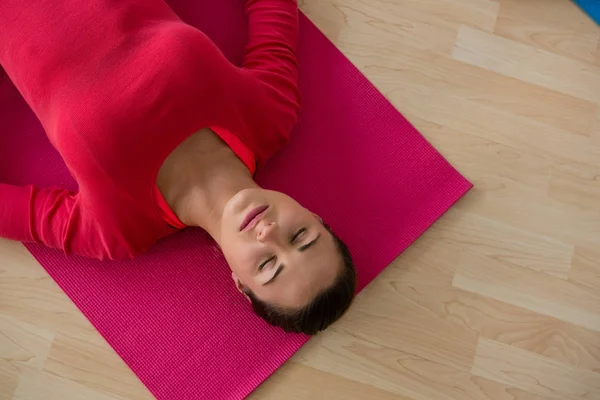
[{"x": 173, "y": 314}]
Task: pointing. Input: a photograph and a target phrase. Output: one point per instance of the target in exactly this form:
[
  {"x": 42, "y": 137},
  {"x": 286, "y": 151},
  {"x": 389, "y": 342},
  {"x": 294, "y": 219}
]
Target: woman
[{"x": 161, "y": 133}]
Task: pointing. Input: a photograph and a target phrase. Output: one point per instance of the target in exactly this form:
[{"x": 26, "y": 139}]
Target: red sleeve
[
  {"x": 272, "y": 36},
  {"x": 50, "y": 217},
  {"x": 271, "y": 49}
]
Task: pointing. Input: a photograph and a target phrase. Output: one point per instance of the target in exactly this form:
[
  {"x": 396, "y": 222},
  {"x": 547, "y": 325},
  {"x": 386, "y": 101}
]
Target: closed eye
[
  {"x": 297, "y": 235},
  {"x": 281, "y": 267},
  {"x": 265, "y": 263}
]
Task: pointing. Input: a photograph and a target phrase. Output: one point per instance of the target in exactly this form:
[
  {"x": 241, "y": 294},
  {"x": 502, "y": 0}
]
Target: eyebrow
[
  {"x": 301, "y": 248},
  {"x": 281, "y": 267}
]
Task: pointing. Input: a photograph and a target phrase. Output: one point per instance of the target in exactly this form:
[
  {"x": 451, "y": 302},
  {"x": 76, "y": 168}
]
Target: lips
[{"x": 253, "y": 217}]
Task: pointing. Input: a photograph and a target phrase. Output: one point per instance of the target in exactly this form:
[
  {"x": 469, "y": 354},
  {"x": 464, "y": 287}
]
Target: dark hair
[{"x": 326, "y": 308}]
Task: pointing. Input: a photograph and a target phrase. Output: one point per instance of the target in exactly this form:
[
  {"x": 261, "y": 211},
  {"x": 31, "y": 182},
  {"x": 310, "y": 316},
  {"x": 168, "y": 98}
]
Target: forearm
[
  {"x": 271, "y": 58},
  {"x": 272, "y": 36},
  {"x": 15, "y": 211},
  {"x": 30, "y": 214}
]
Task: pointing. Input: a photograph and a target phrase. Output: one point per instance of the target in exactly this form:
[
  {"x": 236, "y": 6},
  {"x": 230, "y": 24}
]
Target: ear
[{"x": 239, "y": 285}]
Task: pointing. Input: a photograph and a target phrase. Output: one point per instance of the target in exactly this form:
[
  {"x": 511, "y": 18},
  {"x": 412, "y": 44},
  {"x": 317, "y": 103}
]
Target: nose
[{"x": 265, "y": 230}]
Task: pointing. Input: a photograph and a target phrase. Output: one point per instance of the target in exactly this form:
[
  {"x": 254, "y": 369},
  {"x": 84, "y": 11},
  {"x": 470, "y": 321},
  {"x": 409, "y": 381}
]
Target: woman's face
[{"x": 277, "y": 248}]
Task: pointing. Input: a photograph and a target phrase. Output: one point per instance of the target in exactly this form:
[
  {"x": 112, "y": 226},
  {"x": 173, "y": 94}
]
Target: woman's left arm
[{"x": 52, "y": 217}]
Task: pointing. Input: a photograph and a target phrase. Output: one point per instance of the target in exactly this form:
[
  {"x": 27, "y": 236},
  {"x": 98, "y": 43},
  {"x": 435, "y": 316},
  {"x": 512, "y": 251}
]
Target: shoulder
[
  {"x": 276, "y": 112},
  {"x": 117, "y": 228}
]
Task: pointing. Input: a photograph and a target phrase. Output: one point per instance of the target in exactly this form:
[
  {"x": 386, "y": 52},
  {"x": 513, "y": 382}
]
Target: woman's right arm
[
  {"x": 272, "y": 45},
  {"x": 270, "y": 60},
  {"x": 272, "y": 36}
]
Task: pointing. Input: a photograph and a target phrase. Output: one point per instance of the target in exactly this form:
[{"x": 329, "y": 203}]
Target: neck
[
  {"x": 203, "y": 203},
  {"x": 199, "y": 178}
]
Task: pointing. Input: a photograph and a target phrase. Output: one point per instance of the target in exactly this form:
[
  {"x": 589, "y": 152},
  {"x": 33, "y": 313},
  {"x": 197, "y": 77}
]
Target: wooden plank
[
  {"x": 534, "y": 373},
  {"x": 528, "y": 63}
]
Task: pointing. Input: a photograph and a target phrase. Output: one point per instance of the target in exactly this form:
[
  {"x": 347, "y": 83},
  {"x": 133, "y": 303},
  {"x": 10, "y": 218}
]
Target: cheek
[{"x": 242, "y": 258}]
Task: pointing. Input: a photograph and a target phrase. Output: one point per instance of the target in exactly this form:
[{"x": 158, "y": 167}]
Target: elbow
[
  {"x": 290, "y": 100},
  {"x": 288, "y": 116}
]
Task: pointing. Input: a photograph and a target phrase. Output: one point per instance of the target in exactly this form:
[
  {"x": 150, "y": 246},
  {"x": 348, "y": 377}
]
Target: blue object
[{"x": 592, "y": 7}]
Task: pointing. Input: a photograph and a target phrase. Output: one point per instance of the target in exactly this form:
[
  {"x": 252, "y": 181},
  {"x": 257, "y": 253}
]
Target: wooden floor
[{"x": 498, "y": 300}]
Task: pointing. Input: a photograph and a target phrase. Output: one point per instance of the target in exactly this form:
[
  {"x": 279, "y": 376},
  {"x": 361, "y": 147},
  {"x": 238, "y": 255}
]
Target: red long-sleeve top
[{"x": 117, "y": 87}]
